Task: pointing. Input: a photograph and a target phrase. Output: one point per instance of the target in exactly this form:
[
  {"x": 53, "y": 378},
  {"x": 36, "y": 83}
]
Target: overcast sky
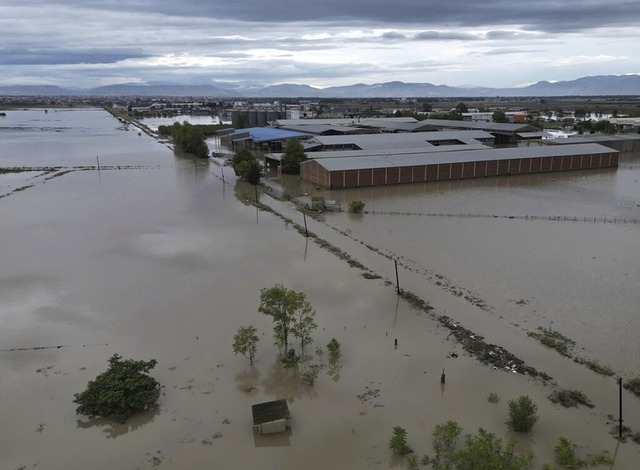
[{"x": 495, "y": 43}]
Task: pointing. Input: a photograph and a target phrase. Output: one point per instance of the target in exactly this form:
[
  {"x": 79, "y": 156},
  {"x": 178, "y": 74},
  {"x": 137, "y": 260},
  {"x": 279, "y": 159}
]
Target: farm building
[
  {"x": 358, "y": 168},
  {"x": 271, "y": 416}
]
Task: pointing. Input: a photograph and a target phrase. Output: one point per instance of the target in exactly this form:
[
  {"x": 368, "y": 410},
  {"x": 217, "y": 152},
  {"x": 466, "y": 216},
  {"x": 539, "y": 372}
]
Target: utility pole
[{"x": 620, "y": 403}]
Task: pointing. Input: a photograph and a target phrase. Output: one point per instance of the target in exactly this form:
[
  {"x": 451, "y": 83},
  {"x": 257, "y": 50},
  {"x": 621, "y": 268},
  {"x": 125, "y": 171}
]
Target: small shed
[{"x": 271, "y": 416}]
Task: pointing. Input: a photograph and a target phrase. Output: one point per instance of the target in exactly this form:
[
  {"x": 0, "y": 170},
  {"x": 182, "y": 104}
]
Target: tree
[
  {"x": 250, "y": 171},
  {"x": 398, "y": 441},
  {"x": 356, "y": 207},
  {"x": 244, "y": 155},
  {"x": 485, "y": 451},
  {"x": 499, "y": 116},
  {"x": 334, "y": 351},
  {"x": 292, "y": 157},
  {"x": 303, "y": 325},
  {"x": 245, "y": 342},
  {"x": 123, "y": 390},
  {"x": 461, "y": 108},
  {"x": 188, "y": 138},
  {"x": 285, "y": 306},
  {"x": 523, "y": 414},
  {"x": 445, "y": 438}
]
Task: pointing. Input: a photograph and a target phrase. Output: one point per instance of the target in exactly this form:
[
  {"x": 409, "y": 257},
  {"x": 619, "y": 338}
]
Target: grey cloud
[
  {"x": 543, "y": 15},
  {"x": 444, "y": 36},
  {"x": 393, "y": 36},
  {"x": 40, "y": 56}
]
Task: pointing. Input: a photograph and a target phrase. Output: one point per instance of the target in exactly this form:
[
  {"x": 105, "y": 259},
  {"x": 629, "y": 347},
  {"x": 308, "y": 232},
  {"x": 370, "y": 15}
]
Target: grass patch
[
  {"x": 554, "y": 340},
  {"x": 570, "y": 398}
]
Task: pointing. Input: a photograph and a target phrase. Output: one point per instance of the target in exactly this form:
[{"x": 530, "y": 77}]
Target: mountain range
[{"x": 602, "y": 85}]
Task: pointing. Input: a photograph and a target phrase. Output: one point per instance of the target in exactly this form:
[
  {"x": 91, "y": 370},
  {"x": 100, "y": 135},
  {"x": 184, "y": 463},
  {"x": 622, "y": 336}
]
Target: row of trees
[{"x": 187, "y": 137}]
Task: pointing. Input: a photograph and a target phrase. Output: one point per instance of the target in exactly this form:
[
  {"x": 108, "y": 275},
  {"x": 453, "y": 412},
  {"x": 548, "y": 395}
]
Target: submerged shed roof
[{"x": 270, "y": 411}]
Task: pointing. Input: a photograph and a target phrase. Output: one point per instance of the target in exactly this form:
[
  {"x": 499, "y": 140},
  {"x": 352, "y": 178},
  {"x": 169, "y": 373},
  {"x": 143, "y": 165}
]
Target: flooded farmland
[{"x": 116, "y": 245}]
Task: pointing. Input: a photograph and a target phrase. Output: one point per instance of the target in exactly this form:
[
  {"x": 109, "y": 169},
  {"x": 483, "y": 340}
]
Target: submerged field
[{"x": 154, "y": 256}]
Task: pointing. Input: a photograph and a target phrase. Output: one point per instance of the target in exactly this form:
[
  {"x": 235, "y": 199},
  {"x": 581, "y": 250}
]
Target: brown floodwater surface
[{"x": 154, "y": 257}]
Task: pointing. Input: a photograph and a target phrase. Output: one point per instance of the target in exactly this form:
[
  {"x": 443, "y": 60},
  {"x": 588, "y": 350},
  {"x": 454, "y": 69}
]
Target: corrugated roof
[
  {"x": 432, "y": 158},
  {"x": 266, "y": 134},
  {"x": 405, "y": 140},
  {"x": 485, "y": 126}
]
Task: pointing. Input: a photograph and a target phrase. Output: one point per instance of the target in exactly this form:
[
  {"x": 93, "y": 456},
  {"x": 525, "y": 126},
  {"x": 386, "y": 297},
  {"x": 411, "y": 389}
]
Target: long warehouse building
[{"x": 377, "y": 170}]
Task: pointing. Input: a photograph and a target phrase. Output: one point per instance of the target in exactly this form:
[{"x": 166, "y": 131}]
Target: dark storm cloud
[
  {"x": 542, "y": 15},
  {"x": 42, "y": 56},
  {"x": 445, "y": 36}
]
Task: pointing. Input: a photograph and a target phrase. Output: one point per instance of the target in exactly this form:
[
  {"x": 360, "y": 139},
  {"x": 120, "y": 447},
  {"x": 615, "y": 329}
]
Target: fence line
[{"x": 558, "y": 218}]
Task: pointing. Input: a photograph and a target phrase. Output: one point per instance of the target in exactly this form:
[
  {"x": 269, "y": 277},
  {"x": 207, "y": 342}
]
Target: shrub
[
  {"x": 565, "y": 454},
  {"x": 356, "y": 207},
  {"x": 493, "y": 398},
  {"x": 334, "y": 350},
  {"x": 398, "y": 442},
  {"x": 523, "y": 414},
  {"x": 123, "y": 390}
]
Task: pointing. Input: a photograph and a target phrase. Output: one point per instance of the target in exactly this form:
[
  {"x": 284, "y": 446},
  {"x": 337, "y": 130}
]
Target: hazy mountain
[
  {"x": 586, "y": 86},
  {"x": 161, "y": 90},
  {"x": 33, "y": 90}
]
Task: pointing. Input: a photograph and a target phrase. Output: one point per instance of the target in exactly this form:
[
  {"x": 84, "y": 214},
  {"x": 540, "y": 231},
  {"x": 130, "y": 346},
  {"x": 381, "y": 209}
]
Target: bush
[
  {"x": 398, "y": 442},
  {"x": 123, "y": 390},
  {"x": 565, "y": 454},
  {"x": 523, "y": 414},
  {"x": 356, "y": 207},
  {"x": 334, "y": 350}
]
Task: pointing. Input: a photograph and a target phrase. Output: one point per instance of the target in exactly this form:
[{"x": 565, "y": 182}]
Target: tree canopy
[
  {"x": 245, "y": 342},
  {"x": 123, "y": 390},
  {"x": 292, "y": 156},
  {"x": 291, "y": 313},
  {"x": 187, "y": 137},
  {"x": 246, "y": 166}
]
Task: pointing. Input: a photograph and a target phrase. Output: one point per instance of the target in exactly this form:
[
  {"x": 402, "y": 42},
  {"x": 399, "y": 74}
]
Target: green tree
[
  {"x": 523, "y": 414},
  {"x": 284, "y": 306},
  {"x": 499, "y": 116},
  {"x": 461, "y": 108},
  {"x": 398, "y": 441},
  {"x": 304, "y": 324},
  {"x": 565, "y": 454},
  {"x": 292, "y": 156},
  {"x": 187, "y": 137},
  {"x": 356, "y": 207},
  {"x": 241, "y": 156},
  {"x": 250, "y": 171},
  {"x": 123, "y": 390},
  {"x": 485, "y": 451},
  {"x": 334, "y": 351},
  {"x": 445, "y": 438},
  {"x": 245, "y": 342}
]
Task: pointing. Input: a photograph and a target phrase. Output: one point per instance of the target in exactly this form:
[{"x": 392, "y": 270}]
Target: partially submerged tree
[
  {"x": 523, "y": 414},
  {"x": 356, "y": 207},
  {"x": 292, "y": 156},
  {"x": 334, "y": 350},
  {"x": 245, "y": 342},
  {"x": 286, "y": 306},
  {"x": 123, "y": 390},
  {"x": 398, "y": 441},
  {"x": 485, "y": 450},
  {"x": 241, "y": 156}
]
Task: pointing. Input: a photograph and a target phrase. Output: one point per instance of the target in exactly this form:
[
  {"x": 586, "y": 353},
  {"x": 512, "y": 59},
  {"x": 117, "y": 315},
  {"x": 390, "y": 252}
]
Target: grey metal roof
[
  {"x": 485, "y": 126},
  {"x": 463, "y": 156},
  {"x": 270, "y": 411},
  {"x": 342, "y": 121},
  {"x": 405, "y": 140},
  {"x": 595, "y": 138}
]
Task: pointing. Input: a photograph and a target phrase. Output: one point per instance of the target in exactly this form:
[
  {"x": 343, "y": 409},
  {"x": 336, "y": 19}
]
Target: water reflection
[
  {"x": 281, "y": 439},
  {"x": 248, "y": 379},
  {"x": 286, "y": 383},
  {"x": 114, "y": 429}
]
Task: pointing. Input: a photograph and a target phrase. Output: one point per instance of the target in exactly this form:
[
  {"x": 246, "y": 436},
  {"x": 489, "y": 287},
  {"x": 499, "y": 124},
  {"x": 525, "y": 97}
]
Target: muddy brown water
[{"x": 164, "y": 261}]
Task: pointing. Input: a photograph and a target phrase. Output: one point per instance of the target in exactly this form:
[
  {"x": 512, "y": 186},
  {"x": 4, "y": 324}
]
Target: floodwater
[{"x": 155, "y": 256}]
